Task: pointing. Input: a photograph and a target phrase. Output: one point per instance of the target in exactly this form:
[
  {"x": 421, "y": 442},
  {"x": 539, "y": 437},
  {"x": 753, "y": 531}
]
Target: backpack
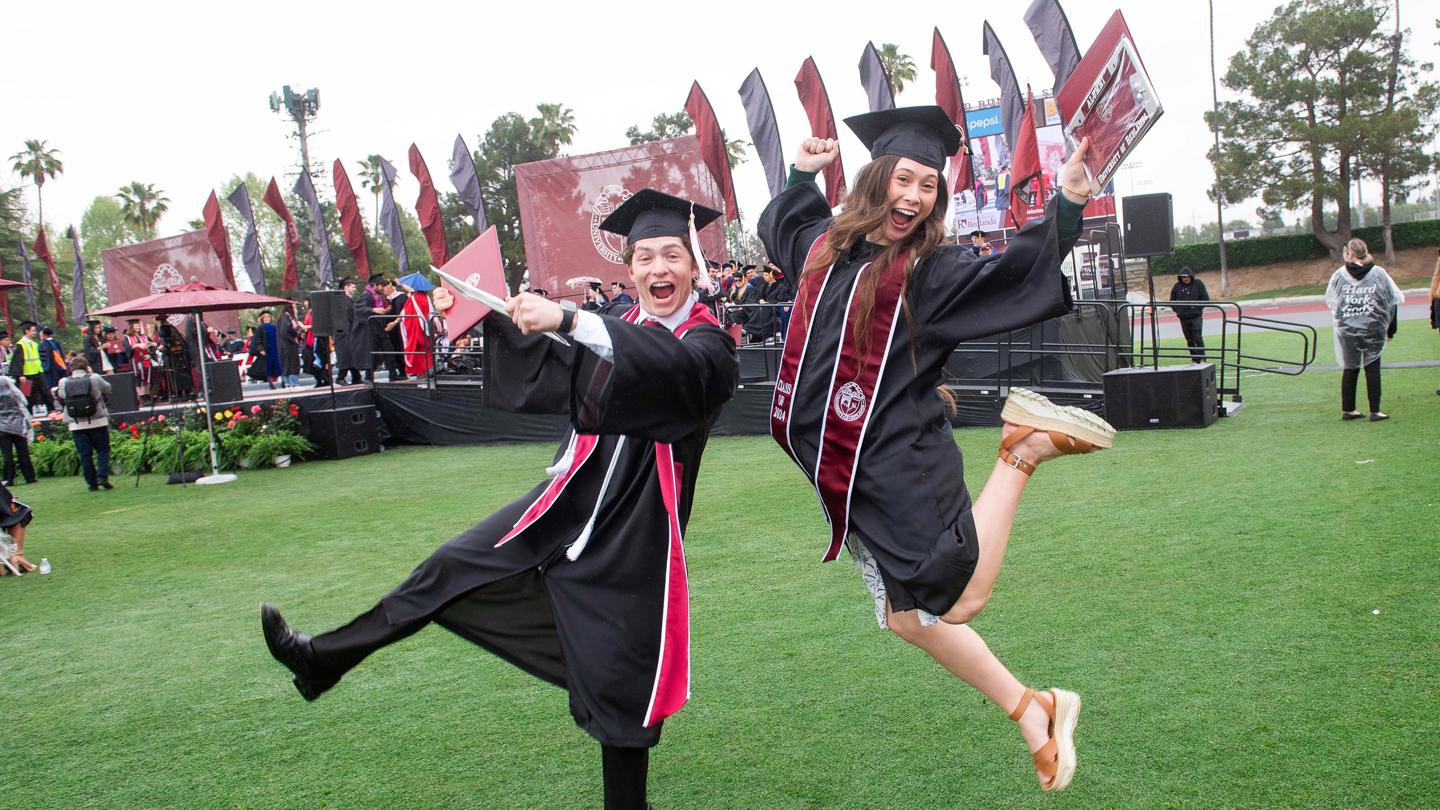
[{"x": 79, "y": 404}]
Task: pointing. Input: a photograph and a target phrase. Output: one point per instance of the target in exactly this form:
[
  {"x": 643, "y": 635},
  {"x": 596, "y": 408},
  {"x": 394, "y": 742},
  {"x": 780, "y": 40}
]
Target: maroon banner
[
  {"x": 822, "y": 124},
  {"x": 712, "y": 146},
  {"x": 1026, "y": 180},
  {"x": 135, "y": 271},
  {"x": 42, "y": 252},
  {"x": 563, "y": 201},
  {"x": 5, "y": 303},
  {"x": 276, "y": 202},
  {"x": 219, "y": 239},
  {"x": 351, "y": 225},
  {"x": 948, "y": 97},
  {"x": 428, "y": 209}
]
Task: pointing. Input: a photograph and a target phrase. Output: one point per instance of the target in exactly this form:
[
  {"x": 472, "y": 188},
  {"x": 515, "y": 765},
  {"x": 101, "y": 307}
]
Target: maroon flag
[
  {"x": 42, "y": 252},
  {"x": 5, "y": 304},
  {"x": 822, "y": 124},
  {"x": 276, "y": 202},
  {"x": 1026, "y": 183},
  {"x": 428, "y": 208},
  {"x": 219, "y": 239},
  {"x": 351, "y": 225},
  {"x": 713, "y": 147},
  {"x": 947, "y": 96}
]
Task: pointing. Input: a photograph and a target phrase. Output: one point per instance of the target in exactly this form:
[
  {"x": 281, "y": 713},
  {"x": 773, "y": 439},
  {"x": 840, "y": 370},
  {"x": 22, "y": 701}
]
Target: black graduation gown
[
  {"x": 611, "y": 626},
  {"x": 289, "y": 339},
  {"x": 352, "y": 350},
  {"x": 907, "y": 497}
]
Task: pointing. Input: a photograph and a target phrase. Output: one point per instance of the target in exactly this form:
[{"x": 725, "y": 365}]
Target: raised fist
[{"x": 816, "y": 153}]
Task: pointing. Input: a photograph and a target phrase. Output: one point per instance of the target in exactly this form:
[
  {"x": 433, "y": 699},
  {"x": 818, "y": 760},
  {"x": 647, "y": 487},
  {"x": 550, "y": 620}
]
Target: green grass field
[{"x": 1212, "y": 594}]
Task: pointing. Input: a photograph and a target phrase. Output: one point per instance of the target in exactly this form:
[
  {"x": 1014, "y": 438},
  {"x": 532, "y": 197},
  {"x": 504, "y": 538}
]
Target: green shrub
[
  {"x": 1293, "y": 248},
  {"x": 55, "y": 458},
  {"x": 267, "y": 446}
]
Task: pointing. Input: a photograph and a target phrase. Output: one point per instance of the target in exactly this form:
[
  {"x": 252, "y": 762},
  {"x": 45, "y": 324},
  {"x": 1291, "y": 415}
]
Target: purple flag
[
  {"x": 30, "y": 290},
  {"x": 875, "y": 80},
  {"x": 77, "y": 280},
  {"x": 250, "y": 250},
  {"x": 319, "y": 243},
  {"x": 1053, "y": 36},
  {"x": 467, "y": 183},
  {"x": 1012, "y": 104},
  {"x": 764, "y": 132},
  {"x": 390, "y": 218}
]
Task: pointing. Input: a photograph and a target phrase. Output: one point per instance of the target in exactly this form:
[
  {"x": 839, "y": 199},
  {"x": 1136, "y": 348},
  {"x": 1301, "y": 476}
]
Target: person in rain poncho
[{"x": 1364, "y": 300}]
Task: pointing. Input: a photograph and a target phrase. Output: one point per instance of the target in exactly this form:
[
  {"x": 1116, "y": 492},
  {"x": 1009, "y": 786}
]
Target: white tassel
[
  {"x": 703, "y": 281},
  {"x": 566, "y": 459},
  {"x": 573, "y": 552}
]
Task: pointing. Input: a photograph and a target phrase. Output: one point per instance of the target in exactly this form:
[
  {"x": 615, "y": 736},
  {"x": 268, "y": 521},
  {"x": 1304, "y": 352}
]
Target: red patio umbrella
[{"x": 194, "y": 298}]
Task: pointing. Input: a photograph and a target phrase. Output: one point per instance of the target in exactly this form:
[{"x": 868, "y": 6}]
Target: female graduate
[
  {"x": 580, "y": 582},
  {"x": 880, "y": 306}
]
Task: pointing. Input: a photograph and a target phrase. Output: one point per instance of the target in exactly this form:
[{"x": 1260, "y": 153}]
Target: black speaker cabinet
[
  {"x": 1165, "y": 397},
  {"x": 344, "y": 432},
  {"x": 1149, "y": 225},
  {"x": 329, "y": 311},
  {"x": 224, "y": 379},
  {"x": 122, "y": 392}
]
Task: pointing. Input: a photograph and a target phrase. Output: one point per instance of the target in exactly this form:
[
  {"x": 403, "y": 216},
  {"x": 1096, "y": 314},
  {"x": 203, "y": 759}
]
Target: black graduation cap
[
  {"x": 132, "y": 320},
  {"x": 107, "y": 329},
  {"x": 923, "y": 134},
  {"x": 4, "y": 334},
  {"x": 650, "y": 213},
  {"x": 92, "y": 321},
  {"x": 27, "y": 324}
]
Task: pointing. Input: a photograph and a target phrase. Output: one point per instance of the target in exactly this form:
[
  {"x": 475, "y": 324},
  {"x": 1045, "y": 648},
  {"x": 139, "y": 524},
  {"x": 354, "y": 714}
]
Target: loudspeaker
[
  {"x": 1165, "y": 397},
  {"x": 122, "y": 392},
  {"x": 1149, "y": 225},
  {"x": 328, "y": 312},
  {"x": 344, "y": 432},
  {"x": 224, "y": 379}
]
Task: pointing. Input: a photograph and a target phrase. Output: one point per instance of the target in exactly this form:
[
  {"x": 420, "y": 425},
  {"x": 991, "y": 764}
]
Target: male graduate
[{"x": 580, "y": 582}]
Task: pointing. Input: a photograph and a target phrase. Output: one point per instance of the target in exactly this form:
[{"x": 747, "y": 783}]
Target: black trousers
[
  {"x": 21, "y": 449},
  {"x": 39, "y": 394},
  {"x": 1194, "y": 330},
  {"x": 1350, "y": 379},
  {"x": 625, "y": 770}
]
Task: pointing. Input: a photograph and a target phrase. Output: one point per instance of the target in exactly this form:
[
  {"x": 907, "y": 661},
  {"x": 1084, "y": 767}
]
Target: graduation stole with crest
[{"x": 854, "y": 381}]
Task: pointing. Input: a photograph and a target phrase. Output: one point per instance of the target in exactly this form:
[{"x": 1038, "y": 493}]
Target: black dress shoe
[{"x": 294, "y": 651}]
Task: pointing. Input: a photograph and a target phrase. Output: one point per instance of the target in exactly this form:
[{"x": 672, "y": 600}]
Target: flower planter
[{"x": 282, "y": 460}]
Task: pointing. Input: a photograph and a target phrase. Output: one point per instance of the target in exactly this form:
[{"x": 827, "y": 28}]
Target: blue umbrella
[{"x": 416, "y": 282}]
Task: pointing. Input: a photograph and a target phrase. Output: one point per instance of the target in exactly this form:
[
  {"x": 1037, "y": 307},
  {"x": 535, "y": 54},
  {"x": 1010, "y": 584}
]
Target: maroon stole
[
  {"x": 671, "y": 688},
  {"x": 854, "y": 381}
]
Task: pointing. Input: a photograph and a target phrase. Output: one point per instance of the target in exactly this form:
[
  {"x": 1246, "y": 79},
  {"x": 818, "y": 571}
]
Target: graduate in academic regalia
[
  {"x": 580, "y": 582},
  {"x": 880, "y": 305}
]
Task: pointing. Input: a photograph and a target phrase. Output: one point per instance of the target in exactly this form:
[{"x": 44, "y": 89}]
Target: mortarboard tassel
[{"x": 703, "y": 280}]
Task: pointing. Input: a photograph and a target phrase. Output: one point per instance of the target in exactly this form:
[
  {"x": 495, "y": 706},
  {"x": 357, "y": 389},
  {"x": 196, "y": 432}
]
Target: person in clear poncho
[{"x": 1364, "y": 300}]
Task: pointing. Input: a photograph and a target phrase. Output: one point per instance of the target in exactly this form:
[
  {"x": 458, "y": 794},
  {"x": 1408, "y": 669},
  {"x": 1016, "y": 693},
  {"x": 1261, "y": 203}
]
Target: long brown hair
[{"x": 866, "y": 209}]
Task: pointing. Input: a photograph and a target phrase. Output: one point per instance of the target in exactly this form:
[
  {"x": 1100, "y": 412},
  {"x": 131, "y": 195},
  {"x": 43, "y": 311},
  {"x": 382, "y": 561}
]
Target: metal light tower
[{"x": 302, "y": 109}]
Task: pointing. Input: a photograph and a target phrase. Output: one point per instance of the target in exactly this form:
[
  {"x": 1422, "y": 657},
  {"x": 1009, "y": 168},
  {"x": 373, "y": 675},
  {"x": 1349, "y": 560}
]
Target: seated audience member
[
  {"x": 14, "y": 517},
  {"x": 16, "y": 432}
]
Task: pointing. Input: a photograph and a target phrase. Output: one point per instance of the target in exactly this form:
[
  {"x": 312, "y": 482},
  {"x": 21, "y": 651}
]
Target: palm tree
[
  {"x": 38, "y": 162},
  {"x": 142, "y": 205},
  {"x": 373, "y": 178},
  {"x": 554, "y": 128},
  {"x": 734, "y": 150},
  {"x": 898, "y": 66}
]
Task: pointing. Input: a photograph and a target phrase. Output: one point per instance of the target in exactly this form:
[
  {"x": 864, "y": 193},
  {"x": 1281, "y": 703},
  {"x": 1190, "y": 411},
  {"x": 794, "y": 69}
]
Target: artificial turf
[{"x": 1212, "y": 594}]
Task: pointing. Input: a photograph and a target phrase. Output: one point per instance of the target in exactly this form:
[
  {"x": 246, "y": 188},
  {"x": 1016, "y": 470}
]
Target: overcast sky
[{"x": 175, "y": 94}]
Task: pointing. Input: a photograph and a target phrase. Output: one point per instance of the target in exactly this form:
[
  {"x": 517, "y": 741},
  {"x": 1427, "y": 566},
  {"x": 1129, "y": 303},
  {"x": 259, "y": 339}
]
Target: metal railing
[{"x": 1229, "y": 357}]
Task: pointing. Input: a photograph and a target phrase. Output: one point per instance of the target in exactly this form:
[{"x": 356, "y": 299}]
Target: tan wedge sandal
[
  {"x": 1072, "y": 430},
  {"x": 1055, "y": 760}
]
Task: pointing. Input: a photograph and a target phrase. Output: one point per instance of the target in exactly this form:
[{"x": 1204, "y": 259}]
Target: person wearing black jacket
[{"x": 1192, "y": 319}]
